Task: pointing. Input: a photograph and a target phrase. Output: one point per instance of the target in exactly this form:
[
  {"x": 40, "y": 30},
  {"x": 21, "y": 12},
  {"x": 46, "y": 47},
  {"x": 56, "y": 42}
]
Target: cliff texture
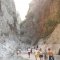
[
  {"x": 41, "y": 20},
  {"x": 8, "y": 28}
]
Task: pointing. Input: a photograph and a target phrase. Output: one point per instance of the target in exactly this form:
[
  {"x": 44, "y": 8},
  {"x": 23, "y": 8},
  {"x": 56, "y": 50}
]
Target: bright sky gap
[{"x": 22, "y": 7}]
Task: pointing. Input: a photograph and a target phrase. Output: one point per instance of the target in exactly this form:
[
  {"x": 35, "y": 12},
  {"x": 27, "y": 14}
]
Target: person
[
  {"x": 59, "y": 52},
  {"x": 29, "y": 52},
  {"x": 36, "y": 53},
  {"x": 45, "y": 54},
  {"x": 40, "y": 54},
  {"x": 18, "y": 52},
  {"x": 37, "y": 46},
  {"x": 50, "y": 54}
]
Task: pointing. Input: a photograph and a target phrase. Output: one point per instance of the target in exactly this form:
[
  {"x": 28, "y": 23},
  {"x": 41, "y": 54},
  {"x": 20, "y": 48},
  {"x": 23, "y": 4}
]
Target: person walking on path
[
  {"x": 29, "y": 52},
  {"x": 45, "y": 54},
  {"x": 40, "y": 54},
  {"x": 50, "y": 54},
  {"x": 36, "y": 53},
  {"x": 18, "y": 52},
  {"x": 59, "y": 52}
]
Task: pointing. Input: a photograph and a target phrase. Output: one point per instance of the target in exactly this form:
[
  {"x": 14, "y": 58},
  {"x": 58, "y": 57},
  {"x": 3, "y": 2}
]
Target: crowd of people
[
  {"x": 46, "y": 55},
  {"x": 39, "y": 53}
]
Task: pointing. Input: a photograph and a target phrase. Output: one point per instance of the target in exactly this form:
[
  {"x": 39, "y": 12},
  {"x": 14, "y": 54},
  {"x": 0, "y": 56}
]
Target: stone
[{"x": 8, "y": 30}]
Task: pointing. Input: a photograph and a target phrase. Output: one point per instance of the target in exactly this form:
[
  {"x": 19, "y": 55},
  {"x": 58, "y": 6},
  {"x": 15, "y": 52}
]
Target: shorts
[
  {"x": 40, "y": 56},
  {"x": 28, "y": 53}
]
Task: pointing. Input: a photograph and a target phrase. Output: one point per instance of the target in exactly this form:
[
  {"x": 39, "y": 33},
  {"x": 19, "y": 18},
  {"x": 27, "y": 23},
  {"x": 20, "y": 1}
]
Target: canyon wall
[
  {"x": 41, "y": 20},
  {"x": 8, "y": 29}
]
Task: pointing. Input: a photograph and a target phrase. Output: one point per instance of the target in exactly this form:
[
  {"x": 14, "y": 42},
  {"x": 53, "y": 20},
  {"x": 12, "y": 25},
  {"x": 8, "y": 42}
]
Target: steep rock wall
[
  {"x": 39, "y": 14},
  {"x": 8, "y": 30}
]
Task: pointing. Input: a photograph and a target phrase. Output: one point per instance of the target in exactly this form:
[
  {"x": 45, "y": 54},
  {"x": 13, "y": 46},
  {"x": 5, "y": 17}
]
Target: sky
[{"x": 22, "y": 7}]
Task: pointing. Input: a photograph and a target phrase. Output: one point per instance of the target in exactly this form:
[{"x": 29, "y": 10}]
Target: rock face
[
  {"x": 41, "y": 20},
  {"x": 53, "y": 41},
  {"x": 55, "y": 36},
  {"x": 8, "y": 30}
]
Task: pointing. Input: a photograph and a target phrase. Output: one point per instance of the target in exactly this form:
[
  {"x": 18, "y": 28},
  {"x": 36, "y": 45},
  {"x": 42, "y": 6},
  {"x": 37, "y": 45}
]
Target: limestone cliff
[
  {"x": 8, "y": 30},
  {"x": 41, "y": 20},
  {"x": 53, "y": 41},
  {"x": 55, "y": 36}
]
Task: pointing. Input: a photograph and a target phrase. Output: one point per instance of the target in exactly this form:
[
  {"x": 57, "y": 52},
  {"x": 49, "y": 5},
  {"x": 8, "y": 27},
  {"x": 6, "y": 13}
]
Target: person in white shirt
[
  {"x": 41, "y": 54},
  {"x": 36, "y": 53},
  {"x": 29, "y": 52}
]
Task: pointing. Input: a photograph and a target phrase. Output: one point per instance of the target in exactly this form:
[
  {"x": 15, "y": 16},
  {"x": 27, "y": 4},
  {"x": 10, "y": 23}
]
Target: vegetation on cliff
[{"x": 41, "y": 19}]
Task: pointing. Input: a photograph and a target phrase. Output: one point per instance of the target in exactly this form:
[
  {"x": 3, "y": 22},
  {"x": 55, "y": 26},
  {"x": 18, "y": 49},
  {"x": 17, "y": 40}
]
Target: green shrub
[
  {"x": 51, "y": 23},
  {"x": 50, "y": 26}
]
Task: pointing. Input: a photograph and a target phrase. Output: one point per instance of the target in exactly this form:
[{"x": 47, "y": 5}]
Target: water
[{"x": 8, "y": 51}]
